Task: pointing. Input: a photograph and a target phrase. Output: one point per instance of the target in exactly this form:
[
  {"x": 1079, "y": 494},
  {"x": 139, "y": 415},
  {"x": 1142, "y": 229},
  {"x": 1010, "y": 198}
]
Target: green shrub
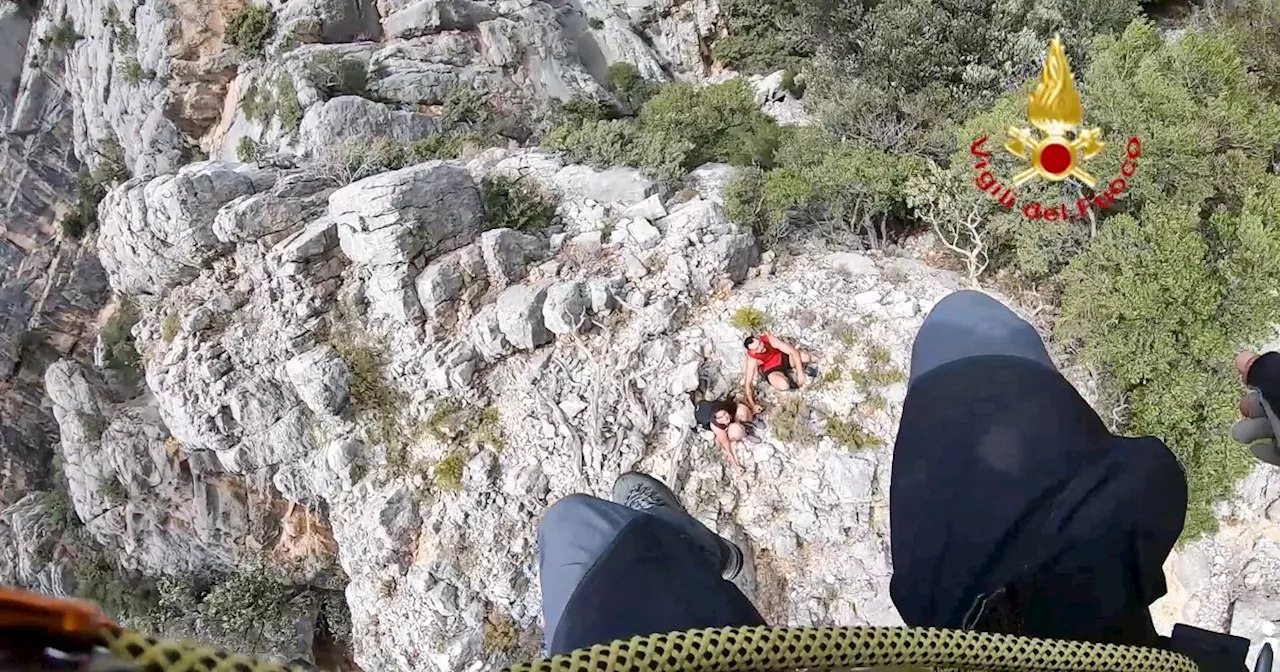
[
  {"x": 63, "y": 33},
  {"x": 1251, "y": 24},
  {"x": 762, "y": 35},
  {"x": 242, "y": 605},
  {"x": 125, "y": 597},
  {"x": 247, "y": 149},
  {"x": 845, "y": 333},
  {"x": 248, "y": 29},
  {"x": 62, "y": 512},
  {"x": 822, "y": 183},
  {"x": 287, "y": 108},
  {"x": 630, "y": 86},
  {"x": 117, "y": 337},
  {"x": 445, "y": 422},
  {"x": 487, "y": 429},
  {"x": 169, "y": 327},
  {"x": 132, "y": 70},
  {"x": 789, "y": 422},
  {"x": 580, "y": 109},
  {"x": 113, "y": 491},
  {"x": 722, "y": 121},
  {"x": 177, "y": 599},
  {"x": 595, "y": 23},
  {"x": 441, "y": 146},
  {"x": 499, "y": 633},
  {"x": 258, "y": 105},
  {"x": 278, "y": 100},
  {"x": 516, "y": 204},
  {"x": 91, "y": 188},
  {"x": 1207, "y": 129},
  {"x": 750, "y": 320},
  {"x": 452, "y": 422},
  {"x": 449, "y": 471},
  {"x": 1159, "y": 301},
  {"x": 466, "y": 106},
  {"x": 848, "y": 433},
  {"x": 368, "y": 389},
  {"x": 337, "y": 75},
  {"x": 376, "y": 403},
  {"x": 678, "y": 129},
  {"x": 337, "y": 616},
  {"x": 878, "y": 372},
  {"x": 894, "y": 74}
]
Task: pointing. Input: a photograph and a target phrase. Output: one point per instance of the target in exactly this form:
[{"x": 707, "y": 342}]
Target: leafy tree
[
  {"x": 722, "y": 122},
  {"x": 630, "y": 86},
  {"x": 819, "y": 181},
  {"x": 1206, "y": 128},
  {"x": 763, "y": 35},
  {"x": 1253, "y": 25},
  {"x": 896, "y": 73}
]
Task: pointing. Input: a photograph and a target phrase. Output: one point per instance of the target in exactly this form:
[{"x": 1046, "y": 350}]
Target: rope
[
  {"x": 765, "y": 649},
  {"x": 758, "y": 649},
  {"x": 182, "y": 656}
]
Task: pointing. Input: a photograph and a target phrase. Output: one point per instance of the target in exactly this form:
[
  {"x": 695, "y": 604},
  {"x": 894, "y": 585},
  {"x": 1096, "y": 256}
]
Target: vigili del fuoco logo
[{"x": 1059, "y": 151}]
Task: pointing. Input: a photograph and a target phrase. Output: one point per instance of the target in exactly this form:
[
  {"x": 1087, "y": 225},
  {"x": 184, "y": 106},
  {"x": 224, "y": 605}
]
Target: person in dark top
[
  {"x": 1013, "y": 509},
  {"x": 729, "y": 422}
]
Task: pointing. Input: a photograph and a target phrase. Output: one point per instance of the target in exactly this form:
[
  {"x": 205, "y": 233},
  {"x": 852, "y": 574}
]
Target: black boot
[{"x": 643, "y": 492}]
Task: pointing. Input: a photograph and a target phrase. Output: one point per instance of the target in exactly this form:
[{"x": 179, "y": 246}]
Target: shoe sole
[
  {"x": 733, "y": 563},
  {"x": 733, "y": 560},
  {"x": 624, "y": 484}
]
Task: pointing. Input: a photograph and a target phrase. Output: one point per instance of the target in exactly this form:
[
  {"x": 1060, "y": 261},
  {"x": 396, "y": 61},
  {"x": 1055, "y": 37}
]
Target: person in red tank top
[{"x": 778, "y": 361}]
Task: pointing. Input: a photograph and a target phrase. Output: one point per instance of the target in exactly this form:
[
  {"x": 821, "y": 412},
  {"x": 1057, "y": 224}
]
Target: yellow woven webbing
[
  {"x": 757, "y": 649},
  {"x": 765, "y": 649},
  {"x": 183, "y": 656}
]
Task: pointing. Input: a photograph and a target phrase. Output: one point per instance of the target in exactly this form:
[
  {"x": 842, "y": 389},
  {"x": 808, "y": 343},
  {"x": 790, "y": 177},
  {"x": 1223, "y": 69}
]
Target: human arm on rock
[
  {"x": 749, "y": 383},
  {"x": 726, "y": 446}
]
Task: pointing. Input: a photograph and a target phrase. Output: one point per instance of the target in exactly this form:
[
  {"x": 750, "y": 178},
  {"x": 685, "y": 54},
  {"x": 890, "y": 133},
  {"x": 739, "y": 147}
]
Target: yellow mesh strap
[
  {"x": 761, "y": 649},
  {"x": 765, "y": 649},
  {"x": 183, "y": 656}
]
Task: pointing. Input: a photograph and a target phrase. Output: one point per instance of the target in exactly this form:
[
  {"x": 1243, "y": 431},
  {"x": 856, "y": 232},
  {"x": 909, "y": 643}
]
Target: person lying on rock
[
  {"x": 730, "y": 422},
  {"x": 1012, "y": 508},
  {"x": 781, "y": 364}
]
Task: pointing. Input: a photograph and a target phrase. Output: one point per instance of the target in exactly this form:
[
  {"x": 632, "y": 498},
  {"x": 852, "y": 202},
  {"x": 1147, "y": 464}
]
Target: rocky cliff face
[
  {"x": 51, "y": 289},
  {"x": 364, "y": 385}
]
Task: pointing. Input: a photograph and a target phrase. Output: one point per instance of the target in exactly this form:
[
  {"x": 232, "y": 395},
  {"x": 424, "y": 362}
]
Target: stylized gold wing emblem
[{"x": 1054, "y": 108}]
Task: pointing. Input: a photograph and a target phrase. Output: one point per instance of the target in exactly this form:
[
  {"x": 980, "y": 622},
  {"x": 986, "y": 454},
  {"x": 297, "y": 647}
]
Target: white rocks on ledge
[
  {"x": 390, "y": 218},
  {"x": 158, "y": 233},
  {"x": 321, "y": 379}
]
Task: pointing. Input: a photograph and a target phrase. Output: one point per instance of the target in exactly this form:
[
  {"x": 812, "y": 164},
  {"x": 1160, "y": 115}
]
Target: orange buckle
[{"x": 65, "y": 622}]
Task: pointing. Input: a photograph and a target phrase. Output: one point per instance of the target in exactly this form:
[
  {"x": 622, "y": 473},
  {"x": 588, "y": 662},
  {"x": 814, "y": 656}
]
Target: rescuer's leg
[
  {"x": 968, "y": 323},
  {"x": 637, "y": 565}
]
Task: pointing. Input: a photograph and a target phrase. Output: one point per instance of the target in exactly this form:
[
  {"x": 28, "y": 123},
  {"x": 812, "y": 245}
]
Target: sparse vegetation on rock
[
  {"x": 248, "y": 29},
  {"x": 516, "y": 204},
  {"x": 751, "y": 320}
]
